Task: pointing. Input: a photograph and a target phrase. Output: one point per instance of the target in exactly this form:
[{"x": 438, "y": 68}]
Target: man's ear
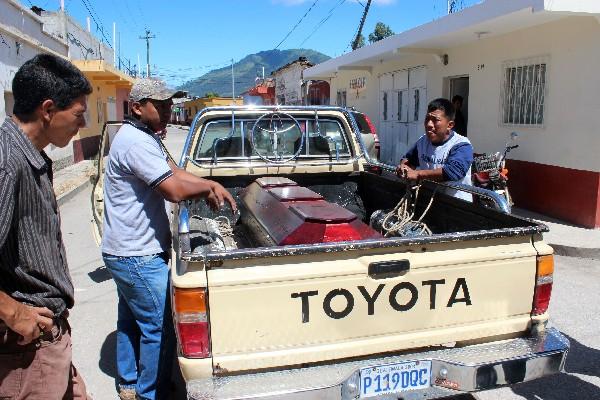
[
  {"x": 136, "y": 108},
  {"x": 47, "y": 109},
  {"x": 451, "y": 124}
]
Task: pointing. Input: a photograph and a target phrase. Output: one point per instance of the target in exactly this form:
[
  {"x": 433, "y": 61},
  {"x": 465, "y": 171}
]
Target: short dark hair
[
  {"x": 442, "y": 104},
  {"x": 457, "y": 97},
  {"x": 47, "y": 77}
]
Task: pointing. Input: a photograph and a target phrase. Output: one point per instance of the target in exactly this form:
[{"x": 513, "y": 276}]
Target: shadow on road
[
  {"x": 582, "y": 360},
  {"x": 100, "y": 274},
  {"x": 108, "y": 358}
]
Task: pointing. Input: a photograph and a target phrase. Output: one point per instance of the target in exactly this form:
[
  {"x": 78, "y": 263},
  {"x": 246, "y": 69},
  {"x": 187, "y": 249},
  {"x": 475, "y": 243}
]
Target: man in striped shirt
[{"x": 36, "y": 290}]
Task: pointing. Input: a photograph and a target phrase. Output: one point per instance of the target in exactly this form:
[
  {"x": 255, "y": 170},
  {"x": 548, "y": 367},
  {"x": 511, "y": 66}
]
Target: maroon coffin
[{"x": 279, "y": 212}]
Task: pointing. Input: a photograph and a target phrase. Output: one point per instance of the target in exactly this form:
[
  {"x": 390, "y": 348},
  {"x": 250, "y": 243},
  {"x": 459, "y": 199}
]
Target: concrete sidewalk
[
  {"x": 71, "y": 180},
  {"x": 566, "y": 239}
]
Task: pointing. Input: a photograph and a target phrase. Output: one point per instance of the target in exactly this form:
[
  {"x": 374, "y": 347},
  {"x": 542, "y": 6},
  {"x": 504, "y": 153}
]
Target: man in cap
[{"x": 137, "y": 240}]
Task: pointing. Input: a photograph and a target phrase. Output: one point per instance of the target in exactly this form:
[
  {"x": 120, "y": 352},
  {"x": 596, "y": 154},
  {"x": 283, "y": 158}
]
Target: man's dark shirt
[
  {"x": 460, "y": 125},
  {"x": 33, "y": 263}
]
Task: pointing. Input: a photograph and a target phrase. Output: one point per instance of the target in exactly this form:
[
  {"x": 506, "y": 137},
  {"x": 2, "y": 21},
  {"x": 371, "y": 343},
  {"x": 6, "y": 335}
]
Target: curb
[
  {"x": 577, "y": 252},
  {"x": 72, "y": 193}
]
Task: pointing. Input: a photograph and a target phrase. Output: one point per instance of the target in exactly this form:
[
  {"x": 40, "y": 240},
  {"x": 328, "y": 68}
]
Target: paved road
[{"x": 574, "y": 310}]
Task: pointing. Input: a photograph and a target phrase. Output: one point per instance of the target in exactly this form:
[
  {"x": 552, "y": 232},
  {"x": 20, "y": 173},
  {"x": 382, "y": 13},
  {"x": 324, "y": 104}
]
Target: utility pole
[
  {"x": 360, "y": 27},
  {"x": 232, "y": 83},
  {"x": 147, "y": 39},
  {"x": 114, "y": 44}
]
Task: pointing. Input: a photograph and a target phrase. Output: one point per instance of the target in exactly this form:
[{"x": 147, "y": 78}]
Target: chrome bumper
[{"x": 465, "y": 369}]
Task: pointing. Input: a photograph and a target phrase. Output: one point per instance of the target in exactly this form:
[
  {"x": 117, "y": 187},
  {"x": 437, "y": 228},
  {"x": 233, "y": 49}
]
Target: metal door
[{"x": 402, "y": 105}]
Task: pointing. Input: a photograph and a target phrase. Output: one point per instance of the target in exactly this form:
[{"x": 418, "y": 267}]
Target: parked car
[{"x": 369, "y": 133}]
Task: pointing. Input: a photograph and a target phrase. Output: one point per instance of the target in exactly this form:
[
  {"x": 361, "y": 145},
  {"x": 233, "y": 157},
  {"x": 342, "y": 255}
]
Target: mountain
[{"x": 245, "y": 70}]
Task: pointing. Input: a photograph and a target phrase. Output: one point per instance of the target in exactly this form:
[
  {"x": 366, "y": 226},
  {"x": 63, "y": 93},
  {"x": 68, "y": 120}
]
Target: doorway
[{"x": 459, "y": 86}]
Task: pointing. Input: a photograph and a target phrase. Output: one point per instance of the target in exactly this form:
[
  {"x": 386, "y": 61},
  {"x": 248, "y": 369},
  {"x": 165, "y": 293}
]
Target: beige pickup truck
[{"x": 338, "y": 280}]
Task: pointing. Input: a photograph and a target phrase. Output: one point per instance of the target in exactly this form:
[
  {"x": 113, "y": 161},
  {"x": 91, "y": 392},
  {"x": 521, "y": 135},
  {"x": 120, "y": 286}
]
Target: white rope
[{"x": 399, "y": 221}]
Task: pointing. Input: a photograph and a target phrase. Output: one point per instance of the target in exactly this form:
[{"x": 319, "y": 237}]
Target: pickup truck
[{"x": 335, "y": 281}]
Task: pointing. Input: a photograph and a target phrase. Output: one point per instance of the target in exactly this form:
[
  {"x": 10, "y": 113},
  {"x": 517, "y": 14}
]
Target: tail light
[
  {"x": 543, "y": 284},
  {"x": 191, "y": 321},
  {"x": 374, "y": 132}
]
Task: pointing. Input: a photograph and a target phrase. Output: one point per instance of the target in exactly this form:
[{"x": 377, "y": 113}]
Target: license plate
[{"x": 395, "y": 378}]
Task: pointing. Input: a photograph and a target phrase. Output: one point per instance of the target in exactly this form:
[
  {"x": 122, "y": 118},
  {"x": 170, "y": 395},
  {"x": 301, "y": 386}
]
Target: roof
[
  {"x": 103, "y": 71},
  {"x": 488, "y": 19},
  {"x": 303, "y": 61}
]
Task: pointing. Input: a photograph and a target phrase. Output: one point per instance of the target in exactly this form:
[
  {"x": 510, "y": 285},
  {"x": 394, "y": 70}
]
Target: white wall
[
  {"x": 83, "y": 45},
  {"x": 20, "y": 25},
  {"x": 569, "y": 138},
  {"x": 288, "y": 84}
]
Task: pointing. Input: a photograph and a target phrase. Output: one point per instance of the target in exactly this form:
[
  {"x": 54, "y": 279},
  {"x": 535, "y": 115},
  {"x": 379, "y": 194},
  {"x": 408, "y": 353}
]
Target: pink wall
[{"x": 122, "y": 95}]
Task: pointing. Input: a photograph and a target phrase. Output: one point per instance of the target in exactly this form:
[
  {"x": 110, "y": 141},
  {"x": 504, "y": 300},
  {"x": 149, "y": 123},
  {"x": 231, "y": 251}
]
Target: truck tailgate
[{"x": 267, "y": 313}]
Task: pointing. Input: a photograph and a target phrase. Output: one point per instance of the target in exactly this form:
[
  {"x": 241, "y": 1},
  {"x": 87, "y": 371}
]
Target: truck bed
[{"x": 362, "y": 194}]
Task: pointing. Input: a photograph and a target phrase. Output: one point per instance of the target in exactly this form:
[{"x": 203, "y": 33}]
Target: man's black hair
[
  {"x": 444, "y": 105},
  {"x": 47, "y": 77},
  {"x": 457, "y": 97}
]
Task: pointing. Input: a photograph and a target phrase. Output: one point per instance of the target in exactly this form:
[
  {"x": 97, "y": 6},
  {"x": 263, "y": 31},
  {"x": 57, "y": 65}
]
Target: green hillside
[{"x": 246, "y": 70}]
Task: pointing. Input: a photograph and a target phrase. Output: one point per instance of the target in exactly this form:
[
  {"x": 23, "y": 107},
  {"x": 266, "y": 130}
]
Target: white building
[
  {"x": 529, "y": 66},
  {"x": 82, "y": 45},
  {"x": 288, "y": 82},
  {"x": 22, "y": 36}
]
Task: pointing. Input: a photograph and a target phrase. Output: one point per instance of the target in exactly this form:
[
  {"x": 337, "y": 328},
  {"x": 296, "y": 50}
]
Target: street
[{"x": 573, "y": 309}]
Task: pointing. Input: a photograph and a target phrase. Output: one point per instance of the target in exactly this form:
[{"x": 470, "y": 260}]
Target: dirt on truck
[{"x": 337, "y": 282}]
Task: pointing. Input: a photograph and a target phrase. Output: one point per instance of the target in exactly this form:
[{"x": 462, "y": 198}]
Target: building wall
[
  {"x": 86, "y": 142},
  {"x": 21, "y": 38},
  {"x": 288, "y": 85},
  {"x": 192, "y": 107},
  {"x": 83, "y": 45},
  {"x": 122, "y": 102},
  {"x": 561, "y": 157}
]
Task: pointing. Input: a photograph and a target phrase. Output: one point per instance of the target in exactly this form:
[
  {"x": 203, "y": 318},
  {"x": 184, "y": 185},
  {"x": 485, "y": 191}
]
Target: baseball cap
[{"x": 155, "y": 89}]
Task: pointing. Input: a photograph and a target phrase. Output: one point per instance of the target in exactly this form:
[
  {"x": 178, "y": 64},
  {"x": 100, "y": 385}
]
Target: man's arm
[
  {"x": 182, "y": 186},
  {"x": 458, "y": 162},
  {"x": 409, "y": 173},
  {"x": 25, "y": 320}
]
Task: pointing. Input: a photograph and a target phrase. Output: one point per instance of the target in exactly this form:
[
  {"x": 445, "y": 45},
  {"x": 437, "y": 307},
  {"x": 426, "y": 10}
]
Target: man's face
[
  {"x": 62, "y": 125},
  {"x": 155, "y": 113},
  {"x": 437, "y": 126}
]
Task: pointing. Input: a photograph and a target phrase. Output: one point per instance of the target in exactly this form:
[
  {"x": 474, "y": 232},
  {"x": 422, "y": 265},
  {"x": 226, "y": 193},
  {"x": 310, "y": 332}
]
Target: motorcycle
[{"x": 490, "y": 172}]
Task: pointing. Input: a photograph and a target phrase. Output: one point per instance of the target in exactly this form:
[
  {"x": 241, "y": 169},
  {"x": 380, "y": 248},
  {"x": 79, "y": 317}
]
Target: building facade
[
  {"x": 192, "y": 107},
  {"x": 289, "y": 82},
  {"x": 522, "y": 66}
]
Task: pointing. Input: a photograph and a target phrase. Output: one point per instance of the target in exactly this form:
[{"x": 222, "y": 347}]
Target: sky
[{"x": 193, "y": 37}]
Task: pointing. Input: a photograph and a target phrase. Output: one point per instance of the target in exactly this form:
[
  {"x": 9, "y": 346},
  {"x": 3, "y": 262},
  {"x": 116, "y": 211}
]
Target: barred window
[{"x": 524, "y": 92}]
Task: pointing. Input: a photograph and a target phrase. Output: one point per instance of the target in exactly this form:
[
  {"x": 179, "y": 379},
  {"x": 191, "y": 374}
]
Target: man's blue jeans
[{"x": 145, "y": 340}]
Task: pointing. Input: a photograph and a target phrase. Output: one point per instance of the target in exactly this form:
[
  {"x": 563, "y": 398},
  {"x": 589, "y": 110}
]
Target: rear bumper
[{"x": 466, "y": 369}]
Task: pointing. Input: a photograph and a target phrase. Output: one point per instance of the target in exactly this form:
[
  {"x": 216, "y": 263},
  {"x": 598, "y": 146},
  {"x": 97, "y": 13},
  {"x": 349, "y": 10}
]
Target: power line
[
  {"x": 323, "y": 21},
  {"x": 295, "y": 26}
]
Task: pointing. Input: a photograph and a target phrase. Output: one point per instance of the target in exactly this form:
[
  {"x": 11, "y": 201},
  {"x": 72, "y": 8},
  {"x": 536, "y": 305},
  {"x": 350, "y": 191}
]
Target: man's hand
[
  {"x": 29, "y": 322},
  {"x": 217, "y": 197},
  {"x": 406, "y": 172}
]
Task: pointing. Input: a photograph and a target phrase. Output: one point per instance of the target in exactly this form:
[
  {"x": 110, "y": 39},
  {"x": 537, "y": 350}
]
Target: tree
[
  {"x": 381, "y": 32},
  {"x": 360, "y": 42},
  {"x": 211, "y": 94}
]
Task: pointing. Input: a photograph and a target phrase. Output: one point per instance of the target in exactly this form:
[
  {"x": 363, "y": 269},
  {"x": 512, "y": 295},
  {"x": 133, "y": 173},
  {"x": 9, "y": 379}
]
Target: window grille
[{"x": 524, "y": 92}]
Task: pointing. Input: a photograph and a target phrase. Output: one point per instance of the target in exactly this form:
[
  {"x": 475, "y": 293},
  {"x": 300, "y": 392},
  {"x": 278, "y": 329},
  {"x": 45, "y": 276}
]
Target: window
[
  {"x": 524, "y": 92},
  {"x": 327, "y": 140}
]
